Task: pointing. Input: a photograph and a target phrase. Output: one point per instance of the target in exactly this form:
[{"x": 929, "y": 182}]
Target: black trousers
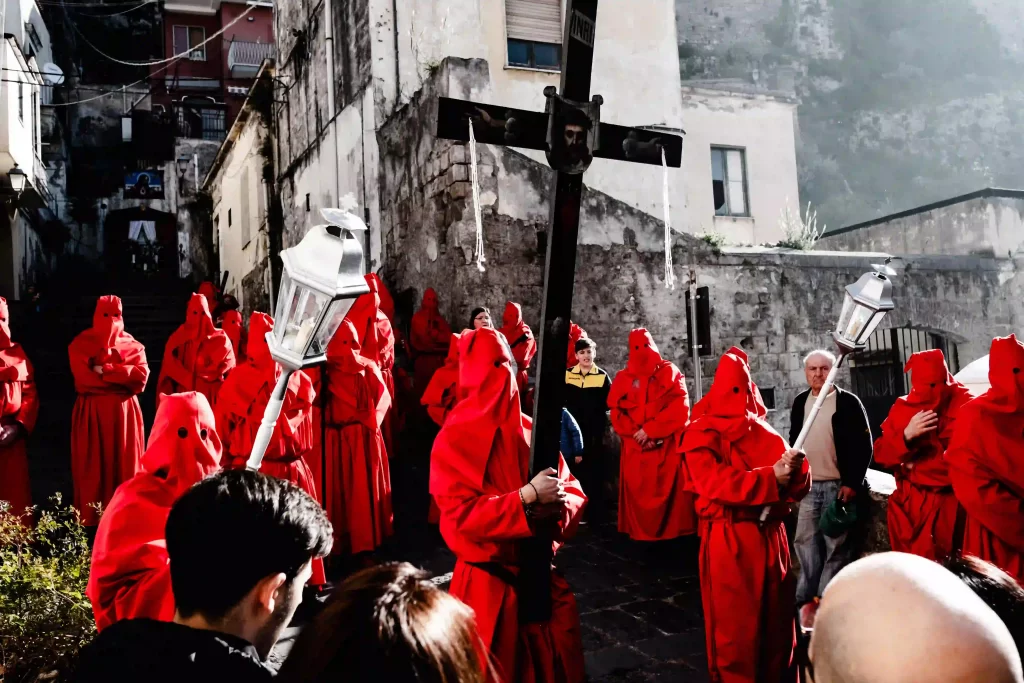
[{"x": 591, "y": 473}]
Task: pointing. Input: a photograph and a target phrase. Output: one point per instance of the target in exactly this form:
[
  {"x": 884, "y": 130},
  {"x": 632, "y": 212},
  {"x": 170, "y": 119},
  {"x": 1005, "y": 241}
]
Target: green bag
[{"x": 838, "y": 518}]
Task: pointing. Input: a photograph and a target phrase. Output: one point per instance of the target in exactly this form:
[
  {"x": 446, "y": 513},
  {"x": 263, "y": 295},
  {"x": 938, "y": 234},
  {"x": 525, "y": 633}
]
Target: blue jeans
[{"x": 820, "y": 556}]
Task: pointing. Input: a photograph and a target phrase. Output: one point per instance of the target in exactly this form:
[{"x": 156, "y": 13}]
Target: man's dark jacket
[
  {"x": 851, "y": 432},
  {"x": 149, "y": 651}
]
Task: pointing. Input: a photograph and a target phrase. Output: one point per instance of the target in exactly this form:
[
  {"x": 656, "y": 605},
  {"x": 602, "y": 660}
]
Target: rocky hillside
[{"x": 903, "y": 102}]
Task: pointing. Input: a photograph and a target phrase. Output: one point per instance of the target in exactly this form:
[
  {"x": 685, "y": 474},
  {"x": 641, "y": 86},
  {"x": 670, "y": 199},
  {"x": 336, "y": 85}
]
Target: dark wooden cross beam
[{"x": 571, "y": 134}]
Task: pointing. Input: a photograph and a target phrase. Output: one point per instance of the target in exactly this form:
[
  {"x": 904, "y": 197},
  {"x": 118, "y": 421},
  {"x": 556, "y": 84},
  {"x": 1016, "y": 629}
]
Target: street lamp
[
  {"x": 182, "y": 163},
  {"x": 323, "y": 275},
  {"x": 18, "y": 179},
  {"x": 867, "y": 301}
]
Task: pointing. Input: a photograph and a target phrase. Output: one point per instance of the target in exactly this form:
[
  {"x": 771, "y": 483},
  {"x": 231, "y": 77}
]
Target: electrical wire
[
  {"x": 117, "y": 14},
  {"x": 168, "y": 60}
]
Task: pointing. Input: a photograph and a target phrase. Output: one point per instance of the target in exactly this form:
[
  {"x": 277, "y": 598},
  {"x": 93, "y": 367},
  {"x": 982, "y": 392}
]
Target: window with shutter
[
  {"x": 729, "y": 181},
  {"x": 534, "y": 32},
  {"x": 187, "y": 39}
]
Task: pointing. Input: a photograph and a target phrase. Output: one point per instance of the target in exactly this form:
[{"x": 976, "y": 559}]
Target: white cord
[
  {"x": 477, "y": 214},
  {"x": 670, "y": 276}
]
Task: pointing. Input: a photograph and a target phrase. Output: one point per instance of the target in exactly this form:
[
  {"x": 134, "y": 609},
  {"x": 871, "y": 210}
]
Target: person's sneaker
[{"x": 807, "y": 613}]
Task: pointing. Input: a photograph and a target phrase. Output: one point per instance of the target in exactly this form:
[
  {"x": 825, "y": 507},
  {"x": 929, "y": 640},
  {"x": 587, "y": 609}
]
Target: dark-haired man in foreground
[{"x": 241, "y": 546}]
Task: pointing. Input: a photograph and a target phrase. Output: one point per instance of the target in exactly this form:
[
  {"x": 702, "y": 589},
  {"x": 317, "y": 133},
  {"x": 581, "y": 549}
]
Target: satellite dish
[{"x": 52, "y": 74}]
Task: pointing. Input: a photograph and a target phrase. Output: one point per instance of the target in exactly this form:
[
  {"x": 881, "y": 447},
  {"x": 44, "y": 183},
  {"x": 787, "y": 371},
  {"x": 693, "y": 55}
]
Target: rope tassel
[
  {"x": 477, "y": 213},
  {"x": 670, "y": 276}
]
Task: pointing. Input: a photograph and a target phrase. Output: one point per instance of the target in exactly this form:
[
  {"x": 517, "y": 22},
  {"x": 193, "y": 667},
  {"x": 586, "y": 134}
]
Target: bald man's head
[{"x": 895, "y": 618}]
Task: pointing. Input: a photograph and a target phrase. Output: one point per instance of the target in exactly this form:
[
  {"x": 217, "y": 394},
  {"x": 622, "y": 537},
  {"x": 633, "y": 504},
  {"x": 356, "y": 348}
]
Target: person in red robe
[
  {"x": 429, "y": 335},
  {"x": 107, "y": 432},
  {"x": 234, "y": 327},
  {"x": 211, "y": 293},
  {"x": 357, "y": 476},
  {"x": 17, "y": 419},
  {"x": 239, "y": 411},
  {"x": 377, "y": 343},
  {"x": 479, "y": 477},
  {"x": 520, "y": 339},
  {"x": 198, "y": 356},
  {"x": 737, "y": 464},
  {"x": 986, "y": 462},
  {"x": 130, "y": 576},
  {"x": 575, "y": 334},
  {"x": 649, "y": 411},
  {"x": 922, "y": 511},
  {"x": 441, "y": 393}
]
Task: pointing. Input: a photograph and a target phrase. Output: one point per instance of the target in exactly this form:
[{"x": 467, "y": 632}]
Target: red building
[{"x": 205, "y": 89}]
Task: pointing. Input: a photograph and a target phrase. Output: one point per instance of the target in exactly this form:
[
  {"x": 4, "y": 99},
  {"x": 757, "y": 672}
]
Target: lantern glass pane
[
  {"x": 856, "y": 330},
  {"x": 303, "y": 313},
  {"x": 849, "y": 306},
  {"x": 284, "y": 297},
  {"x": 331, "y": 322},
  {"x": 876, "y": 319}
]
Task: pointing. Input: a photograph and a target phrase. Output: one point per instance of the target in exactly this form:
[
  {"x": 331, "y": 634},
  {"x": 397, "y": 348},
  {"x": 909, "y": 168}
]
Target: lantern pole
[{"x": 270, "y": 417}]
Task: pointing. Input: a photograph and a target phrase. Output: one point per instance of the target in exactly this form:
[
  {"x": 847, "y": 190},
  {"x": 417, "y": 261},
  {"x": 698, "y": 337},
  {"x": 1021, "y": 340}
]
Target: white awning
[{"x": 975, "y": 376}]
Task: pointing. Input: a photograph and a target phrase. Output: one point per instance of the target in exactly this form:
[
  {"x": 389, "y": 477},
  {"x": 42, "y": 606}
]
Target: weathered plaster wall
[
  {"x": 988, "y": 225},
  {"x": 764, "y": 127},
  {"x": 776, "y": 304}
]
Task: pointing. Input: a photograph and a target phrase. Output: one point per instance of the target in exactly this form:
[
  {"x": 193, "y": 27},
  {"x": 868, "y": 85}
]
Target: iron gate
[{"x": 876, "y": 373}]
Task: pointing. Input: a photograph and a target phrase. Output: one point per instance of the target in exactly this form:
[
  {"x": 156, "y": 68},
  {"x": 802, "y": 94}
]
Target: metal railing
[
  {"x": 200, "y": 121},
  {"x": 247, "y": 54}
]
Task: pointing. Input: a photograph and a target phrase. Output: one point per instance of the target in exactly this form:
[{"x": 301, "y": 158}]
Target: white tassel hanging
[
  {"x": 477, "y": 214},
  {"x": 670, "y": 276}
]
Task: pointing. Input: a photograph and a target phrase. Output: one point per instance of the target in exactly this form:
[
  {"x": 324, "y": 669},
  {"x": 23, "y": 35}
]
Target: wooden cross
[{"x": 570, "y": 132}]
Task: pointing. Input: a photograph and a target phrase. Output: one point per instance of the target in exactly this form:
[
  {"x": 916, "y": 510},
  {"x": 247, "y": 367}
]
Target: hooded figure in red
[
  {"x": 198, "y": 356},
  {"x": 986, "y": 462},
  {"x": 649, "y": 411},
  {"x": 130, "y": 576},
  {"x": 441, "y": 394},
  {"x": 107, "y": 432},
  {"x": 211, "y": 293},
  {"x": 239, "y": 411},
  {"x": 747, "y": 587},
  {"x": 234, "y": 327},
  {"x": 479, "y": 462},
  {"x": 17, "y": 417},
  {"x": 358, "y": 479},
  {"x": 520, "y": 339},
  {"x": 575, "y": 334},
  {"x": 428, "y": 336},
  {"x": 377, "y": 343},
  {"x": 922, "y": 511}
]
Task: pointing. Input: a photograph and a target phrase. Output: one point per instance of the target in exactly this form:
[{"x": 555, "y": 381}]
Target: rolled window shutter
[{"x": 534, "y": 20}]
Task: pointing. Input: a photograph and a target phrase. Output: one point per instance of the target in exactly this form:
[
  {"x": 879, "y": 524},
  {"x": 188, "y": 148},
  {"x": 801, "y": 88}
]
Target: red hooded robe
[
  {"x": 428, "y": 336},
  {"x": 130, "y": 576},
  {"x": 198, "y": 356},
  {"x": 747, "y": 588},
  {"x": 377, "y": 343},
  {"x": 107, "y": 432},
  {"x": 922, "y": 510},
  {"x": 520, "y": 339},
  {"x": 479, "y": 461},
  {"x": 212, "y": 294},
  {"x": 243, "y": 400},
  {"x": 358, "y": 496},
  {"x": 439, "y": 398},
  {"x": 234, "y": 327},
  {"x": 986, "y": 462},
  {"x": 650, "y": 394},
  {"x": 21, "y": 407}
]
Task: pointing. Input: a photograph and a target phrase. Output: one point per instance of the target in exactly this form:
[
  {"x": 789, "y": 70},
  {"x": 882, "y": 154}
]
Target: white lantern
[
  {"x": 866, "y": 303},
  {"x": 323, "y": 275}
]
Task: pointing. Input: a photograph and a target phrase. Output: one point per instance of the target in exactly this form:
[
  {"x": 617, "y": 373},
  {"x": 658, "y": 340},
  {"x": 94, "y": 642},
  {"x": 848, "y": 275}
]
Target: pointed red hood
[
  {"x": 210, "y": 293},
  {"x": 257, "y": 350},
  {"x": 107, "y": 321},
  {"x": 733, "y": 404},
  {"x": 343, "y": 350},
  {"x": 11, "y": 354},
  {"x": 1006, "y": 377},
  {"x": 198, "y": 321},
  {"x": 644, "y": 356},
  {"x": 232, "y": 325},
  {"x": 575, "y": 334},
  {"x": 386, "y": 301},
  {"x": 930, "y": 380},
  {"x": 184, "y": 446},
  {"x": 363, "y": 316}
]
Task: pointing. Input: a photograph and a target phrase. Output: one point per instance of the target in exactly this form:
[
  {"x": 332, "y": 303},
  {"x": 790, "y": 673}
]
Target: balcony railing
[
  {"x": 200, "y": 121},
  {"x": 245, "y": 57}
]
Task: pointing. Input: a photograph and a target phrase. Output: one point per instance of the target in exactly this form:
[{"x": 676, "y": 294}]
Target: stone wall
[
  {"x": 985, "y": 223},
  {"x": 776, "y": 304}
]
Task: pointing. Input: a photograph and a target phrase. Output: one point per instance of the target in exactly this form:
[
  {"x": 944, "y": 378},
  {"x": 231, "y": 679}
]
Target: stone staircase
[{"x": 151, "y": 313}]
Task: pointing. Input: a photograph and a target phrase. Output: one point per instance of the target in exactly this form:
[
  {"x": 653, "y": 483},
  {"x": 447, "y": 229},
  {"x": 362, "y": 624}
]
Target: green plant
[
  {"x": 714, "y": 238},
  {"x": 45, "y": 616},
  {"x": 801, "y": 232}
]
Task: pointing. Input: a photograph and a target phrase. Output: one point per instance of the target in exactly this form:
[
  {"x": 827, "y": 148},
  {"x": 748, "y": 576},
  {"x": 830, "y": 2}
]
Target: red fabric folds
[
  {"x": 650, "y": 394},
  {"x": 357, "y": 476},
  {"x": 20, "y": 406},
  {"x": 747, "y": 586},
  {"x": 428, "y": 337},
  {"x": 520, "y": 339},
  {"x": 130, "y": 576},
  {"x": 922, "y": 510},
  {"x": 441, "y": 394},
  {"x": 239, "y": 410},
  {"x": 234, "y": 327},
  {"x": 107, "y": 432},
  {"x": 985, "y": 456},
  {"x": 198, "y": 356},
  {"x": 575, "y": 334},
  {"x": 377, "y": 343},
  {"x": 482, "y": 517}
]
